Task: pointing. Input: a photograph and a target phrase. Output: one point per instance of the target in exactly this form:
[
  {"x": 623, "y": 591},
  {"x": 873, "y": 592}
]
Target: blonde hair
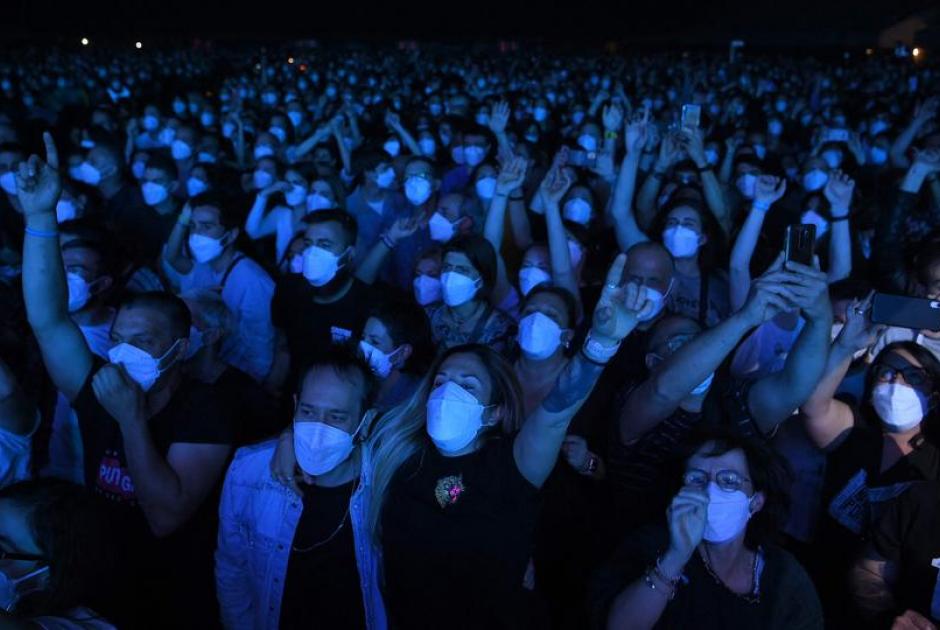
[{"x": 400, "y": 434}]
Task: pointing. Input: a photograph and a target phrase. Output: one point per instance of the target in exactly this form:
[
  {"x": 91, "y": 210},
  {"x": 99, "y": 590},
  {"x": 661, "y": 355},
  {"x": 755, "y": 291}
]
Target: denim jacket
[{"x": 257, "y": 520}]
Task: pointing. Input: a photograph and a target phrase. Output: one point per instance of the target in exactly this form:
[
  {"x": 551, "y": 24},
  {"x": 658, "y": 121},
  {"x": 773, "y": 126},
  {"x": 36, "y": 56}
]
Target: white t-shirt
[
  {"x": 893, "y": 333},
  {"x": 764, "y": 351}
]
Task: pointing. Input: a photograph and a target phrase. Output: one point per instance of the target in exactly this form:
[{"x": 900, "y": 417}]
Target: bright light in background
[
  {"x": 85, "y": 41},
  {"x": 138, "y": 45},
  {"x": 290, "y": 60},
  {"x": 916, "y": 52},
  {"x": 869, "y": 51}
]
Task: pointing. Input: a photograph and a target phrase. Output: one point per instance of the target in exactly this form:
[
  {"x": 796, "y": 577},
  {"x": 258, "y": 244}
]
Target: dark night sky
[{"x": 798, "y": 22}]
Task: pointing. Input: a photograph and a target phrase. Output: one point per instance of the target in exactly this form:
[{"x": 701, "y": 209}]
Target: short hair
[
  {"x": 570, "y": 302},
  {"x": 435, "y": 174},
  {"x": 347, "y": 222},
  {"x": 169, "y": 305},
  {"x": 225, "y": 203},
  {"x": 407, "y": 323},
  {"x": 212, "y": 308},
  {"x": 482, "y": 256},
  {"x": 162, "y": 162},
  {"x": 346, "y": 361}
]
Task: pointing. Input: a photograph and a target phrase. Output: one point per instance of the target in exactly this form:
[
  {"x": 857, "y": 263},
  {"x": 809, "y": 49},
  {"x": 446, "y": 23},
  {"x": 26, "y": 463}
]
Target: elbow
[{"x": 164, "y": 523}]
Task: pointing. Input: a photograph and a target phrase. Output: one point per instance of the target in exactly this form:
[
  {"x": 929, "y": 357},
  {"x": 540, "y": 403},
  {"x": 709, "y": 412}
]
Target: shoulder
[
  {"x": 790, "y": 579},
  {"x": 251, "y": 462},
  {"x": 248, "y": 271},
  {"x": 500, "y": 320}
]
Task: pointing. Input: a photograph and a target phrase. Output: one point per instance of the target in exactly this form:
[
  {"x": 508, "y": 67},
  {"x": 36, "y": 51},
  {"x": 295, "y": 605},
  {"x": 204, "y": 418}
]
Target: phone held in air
[
  {"x": 903, "y": 311},
  {"x": 837, "y": 135},
  {"x": 583, "y": 159},
  {"x": 691, "y": 116},
  {"x": 800, "y": 243}
]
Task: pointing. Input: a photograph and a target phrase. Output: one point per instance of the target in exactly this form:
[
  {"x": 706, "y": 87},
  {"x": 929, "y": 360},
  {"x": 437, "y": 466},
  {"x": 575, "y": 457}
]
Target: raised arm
[
  {"x": 371, "y": 266},
  {"x": 649, "y": 191},
  {"x": 175, "y": 246},
  {"x": 693, "y": 142},
  {"x": 538, "y": 443},
  {"x": 621, "y": 204},
  {"x": 774, "y": 398},
  {"x": 64, "y": 351},
  {"x": 257, "y": 223},
  {"x": 727, "y": 163},
  {"x": 922, "y": 115},
  {"x": 552, "y": 190},
  {"x": 345, "y": 154},
  {"x": 499, "y": 118},
  {"x": 767, "y": 191},
  {"x": 510, "y": 178},
  {"x": 838, "y": 191},
  {"x": 307, "y": 145}
]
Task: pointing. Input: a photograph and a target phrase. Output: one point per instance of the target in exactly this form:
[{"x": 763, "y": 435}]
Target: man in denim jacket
[{"x": 289, "y": 561}]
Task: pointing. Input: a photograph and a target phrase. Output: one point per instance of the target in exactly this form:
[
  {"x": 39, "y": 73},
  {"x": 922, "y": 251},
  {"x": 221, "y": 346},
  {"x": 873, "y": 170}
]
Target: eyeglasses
[
  {"x": 10, "y": 555},
  {"x": 727, "y": 480},
  {"x": 915, "y": 377}
]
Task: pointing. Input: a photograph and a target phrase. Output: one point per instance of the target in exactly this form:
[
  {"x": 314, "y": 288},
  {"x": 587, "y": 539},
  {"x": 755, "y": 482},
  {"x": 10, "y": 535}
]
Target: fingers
[
  {"x": 52, "y": 154},
  {"x": 615, "y": 273}
]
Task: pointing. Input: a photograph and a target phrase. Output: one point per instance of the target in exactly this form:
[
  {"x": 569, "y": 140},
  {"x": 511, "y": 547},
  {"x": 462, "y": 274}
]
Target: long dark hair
[{"x": 712, "y": 253}]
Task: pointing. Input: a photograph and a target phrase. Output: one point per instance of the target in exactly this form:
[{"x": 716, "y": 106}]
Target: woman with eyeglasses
[
  {"x": 712, "y": 566},
  {"x": 874, "y": 448},
  {"x": 57, "y": 557}
]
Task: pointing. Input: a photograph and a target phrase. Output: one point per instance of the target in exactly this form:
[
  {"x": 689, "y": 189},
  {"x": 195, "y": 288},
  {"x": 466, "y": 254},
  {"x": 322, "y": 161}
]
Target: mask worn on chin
[
  {"x": 417, "y": 190},
  {"x": 486, "y": 187},
  {"x": 454, "y": 417},
  {"x": 900, "y": 407},
  {"x": 815, "y": 179},
  {"x": 380, "y": 362},
  {"x": 154, "y": 193},
  {"x": 8, "y": 183},
  {"x": 457, "y": 289},
  {"x": 205, "y": 248},
  {"x": 320, "y": 447},
  {"x": 727, "y": 514},
  {"x": 427, "y": 289},
  {"x": 682, "y": 242},
  {"x": 577, "y": 210},
  {"x": 320, "y": 265},
  {"x": 143, "y": 368},
  {"x": 531, "y": 277},
  {"x": 747, "y": 184},
  {"x": 539, "y": 336},
  {"x": 474, "y": 155}
]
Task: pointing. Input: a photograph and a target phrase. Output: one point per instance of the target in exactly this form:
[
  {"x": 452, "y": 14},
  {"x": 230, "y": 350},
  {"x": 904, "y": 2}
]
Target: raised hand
[
  {"x": 926, "y": 110},
  {"x": 120, "y": 396},
  {"x": 839, "y": 191},
  {"x": 687, "y": 516},
  {"x": 636, "y": 132},
  {"x": 612, "y": 117},
  {"x": 669, "y": 152},
  {"x": 769, "y": 189},
  {"x": 392, "y": 120},
  {"x": 810, "y": 286},
  {"x": 691, "y": 139},
  {"x": 499, "y": 118},
  {"x": 38, "y": 183},
  {"x": 511, "y": 176},
  {"x": 554, "y": 187},
  {"x": 859, "y": 333},
  {"x": 277, "y": 187},
  {"x": 575, "y": 450},
  {"x": 768, "y": 295},
  {"x": 620, "y": 307},
  {"x": 403, "y": 227}
]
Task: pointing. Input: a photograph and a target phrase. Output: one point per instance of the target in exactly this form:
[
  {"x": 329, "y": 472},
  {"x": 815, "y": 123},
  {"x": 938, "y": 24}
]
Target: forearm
[
  {"x": 740, "y": 266},
  {"x": 638, "y": 606},
  {"x": 157, "y": 486},
  {"x": 627, "y": 231},
  {"x": 901, "y": 144},
  {"x": 408, "y": 140},
  {"x": 559, "y": 256},
  {"x": 45, "y": 290},
  {"x": 870, "y": 591},
  {"x": 646, "y": 199},
  {"x": 727, "y": 167},
  {"x": 840, "y": 252},
  {"x": 837, "y": 365},
  {"x": 371, "y": 266},
  {"x": 715, "y": 199},
  {"x": 495, "y": 222},
  {"x": 257, "y": 225},
  {"x": 345, "y": 155},
  {"x": 174, "y": 249},
  {"x": 519, "y": 224}
]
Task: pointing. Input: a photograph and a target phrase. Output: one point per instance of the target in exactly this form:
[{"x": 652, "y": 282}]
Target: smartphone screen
[
  {"x": 800, "y": 243},
  {"x": 905, "y": 312},
  {"x": 691, "y": 115}
]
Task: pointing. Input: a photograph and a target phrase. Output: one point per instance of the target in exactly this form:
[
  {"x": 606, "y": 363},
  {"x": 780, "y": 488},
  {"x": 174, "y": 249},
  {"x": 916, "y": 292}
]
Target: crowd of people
[{"x": 425, "y": 337}]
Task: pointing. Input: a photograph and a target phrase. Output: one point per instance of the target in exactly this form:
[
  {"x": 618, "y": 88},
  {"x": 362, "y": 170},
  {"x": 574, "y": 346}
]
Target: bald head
[{"x": 649, "y": 264}]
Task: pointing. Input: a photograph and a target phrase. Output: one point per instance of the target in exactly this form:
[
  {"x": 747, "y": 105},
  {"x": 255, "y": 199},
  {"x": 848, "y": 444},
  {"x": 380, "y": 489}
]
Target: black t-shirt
[
  {"x": 908, "y": 534},
  {"x": 322, "y": 585},
  {"x": 310, "y": 326},
  {"x": 787, "y": 599},
  {"x": 457, "y": 535},
  {"x": 146, "y": 231},
  {"x": 259, "y": 415}
]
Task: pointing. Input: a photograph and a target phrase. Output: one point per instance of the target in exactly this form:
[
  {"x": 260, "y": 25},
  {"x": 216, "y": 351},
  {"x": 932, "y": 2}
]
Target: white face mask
[
  {"x": 296, "y": 195},
  {"x": 899, "y": 406},
  {"x": 278, "y": 132},
  {"x": 295, "y": 117},
  {"x": 427, "y": 289},
  {"x": 587, "y": 142},
  {"x": 539, "y": 336},
  {"x": 79, "y": 291},
  {"x": 140, "y": 365},
  {"x": 531, "y": 277},
  {"x": 878, "y": 156},
  {"x": 474, "y": 155},
  {"x": 154, "y": 193},
  {"x": 262, "y": 179},
  {"x": 137, "y": 170},
  {"x": 205, "y": 248},
  {"x": 195, "y": 186},
  {"x": 88, "y": 174},
  {"x": 486, "y": 187},
  {"x": 8, "y": 183},
  {"x": 417, "y": 190},
  {"x": 380, "y": 362},
  {"x": 263, "y": 151},
  {"x": 682, "y": 242},
  {"x": 180, "y": 150},
  {"x": 319, "y": 447},
  {"x": 457, "y": 289},
  {"x": 815, "y": 179},
  {"x": 65, "y": 210},
  {"x": 428, "y": 146},
  {"x": 577, "y": 210},
  {"x": 166, "y": 136},
  {"x": 658, "y": 300},
  {"x": 151, "y": 123},
  {"x": 320, "y": 265},
  {"x": 727, "y": 514},
  {"x": 316, "y": 201},
  {"x": 455, "y": 417},
  {"x": 747, "y": 184},
  {"x": 442, "y": 230},
  {"x": 207, "y": 119},
  {"x": 384, "y": 179},
  {"x": 812, "y": 217},
  {"x": 833, "y": 158},
  {"x": 457, "y": 153},
  {"x": 392, "y": 147}
]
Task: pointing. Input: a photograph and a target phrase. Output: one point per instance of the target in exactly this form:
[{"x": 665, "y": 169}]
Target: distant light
[
  {"x": 916, "y": 52},
  {"x": 290, "y": 60},
  {"x": 869, "y": 51},
  {"x": 138, "y": 45},
  {"x": 85, "y": 41}
]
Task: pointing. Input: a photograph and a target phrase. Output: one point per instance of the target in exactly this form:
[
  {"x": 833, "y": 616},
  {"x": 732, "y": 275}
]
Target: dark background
[{"x": 796, "y": 23}]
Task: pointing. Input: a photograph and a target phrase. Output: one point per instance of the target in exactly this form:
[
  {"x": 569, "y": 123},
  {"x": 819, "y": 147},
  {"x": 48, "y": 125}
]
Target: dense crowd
[{"x": 355, "y": 337}]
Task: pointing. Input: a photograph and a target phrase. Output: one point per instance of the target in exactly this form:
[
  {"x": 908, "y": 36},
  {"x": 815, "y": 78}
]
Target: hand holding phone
[
  {"x": 800, "y": 244},
  {"x": 906, "y": 312}
]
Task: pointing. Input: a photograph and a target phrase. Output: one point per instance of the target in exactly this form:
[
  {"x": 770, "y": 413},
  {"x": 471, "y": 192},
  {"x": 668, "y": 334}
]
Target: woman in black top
[{"x": 456, "y": 473}]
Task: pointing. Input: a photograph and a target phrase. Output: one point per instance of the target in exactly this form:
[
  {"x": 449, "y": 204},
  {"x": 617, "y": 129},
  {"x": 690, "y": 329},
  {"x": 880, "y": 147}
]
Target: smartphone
[
  {"x": 691, "y": 115},
  {"x": 584, "y": 159},
  {"x": 800, "y": 243},
  {"x": 905, "y": 312},
  {"x": 837, "y": 135}
]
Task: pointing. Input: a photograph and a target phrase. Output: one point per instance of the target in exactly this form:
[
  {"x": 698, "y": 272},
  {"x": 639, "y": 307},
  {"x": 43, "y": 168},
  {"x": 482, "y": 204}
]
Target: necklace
[
  {"x": 336, "y": 531},
  {"x": 754, "y": 596}
]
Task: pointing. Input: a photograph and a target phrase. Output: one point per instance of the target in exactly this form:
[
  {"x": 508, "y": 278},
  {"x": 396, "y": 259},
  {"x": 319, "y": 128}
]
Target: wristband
[
  {"x": 597, "y": 353},
  {"x": 657, "y": 174},
  {"x": 42, "y": 233},
  {"x": 388, "y": 242},
  {"x": 839, "y": 219},
  {"x": 611, "y": 135},
  {"x": 501, "y": 194},
  {"x": 763, "y": 206}
]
